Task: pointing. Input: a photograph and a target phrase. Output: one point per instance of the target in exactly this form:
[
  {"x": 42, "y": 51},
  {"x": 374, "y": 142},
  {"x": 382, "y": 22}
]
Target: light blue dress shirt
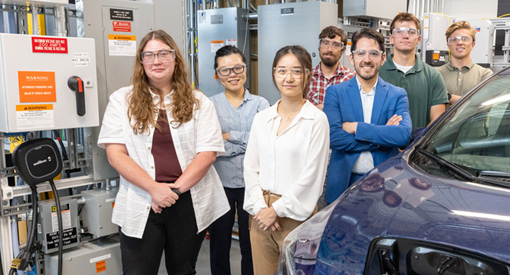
[{"x": 238, "y": 122}]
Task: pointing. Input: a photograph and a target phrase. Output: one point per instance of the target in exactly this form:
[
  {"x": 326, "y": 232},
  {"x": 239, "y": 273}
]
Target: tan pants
[{"x": 266, "y": 245}]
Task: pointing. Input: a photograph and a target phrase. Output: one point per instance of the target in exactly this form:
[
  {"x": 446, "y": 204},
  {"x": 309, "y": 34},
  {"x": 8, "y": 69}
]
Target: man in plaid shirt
[{"x": 329, "y": 71}]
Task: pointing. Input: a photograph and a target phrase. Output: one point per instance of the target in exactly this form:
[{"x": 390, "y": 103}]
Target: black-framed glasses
[
  {"x": 163, "y": 56},
  {"x": 464, "y": 38},
  {"x": 226, "y": 71},
  {"x": 372, "y": 54},
  {"x": 326, "y": 43},
  {"x": 399, "y": 32}
]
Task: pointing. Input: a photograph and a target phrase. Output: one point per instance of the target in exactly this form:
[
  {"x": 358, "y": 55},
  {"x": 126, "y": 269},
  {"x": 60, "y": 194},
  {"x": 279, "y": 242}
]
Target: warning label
[
  {"x": 122, "y": 45},
  {"x": 36, "y": 86},
  {"x": 38, "y": 116},
  {"x": 49, "y": 45},
  {"x": 121, "y": 26}
]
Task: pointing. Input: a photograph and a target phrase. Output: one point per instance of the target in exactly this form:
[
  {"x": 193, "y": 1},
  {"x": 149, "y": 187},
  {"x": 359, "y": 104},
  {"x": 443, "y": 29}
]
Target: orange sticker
[
  {"x": 113, "y": 204},
  {"x": 36, "y": 86},
  {"x": 101, "y": 266},
  {"x": 435, "y": 56},
  {"x": 38, "y": 107},
  {"x": 122, "y": 37}
]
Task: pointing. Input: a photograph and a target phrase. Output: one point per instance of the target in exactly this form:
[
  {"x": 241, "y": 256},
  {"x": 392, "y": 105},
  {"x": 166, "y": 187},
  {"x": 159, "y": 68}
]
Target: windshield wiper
[
  {"x": 444, "y": 163},
  {"x": 495, "y": 174}
]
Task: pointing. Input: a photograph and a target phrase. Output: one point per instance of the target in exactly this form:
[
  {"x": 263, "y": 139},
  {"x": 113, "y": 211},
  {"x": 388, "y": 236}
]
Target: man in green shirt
[
  {"x": 461, "y": 74},
  {"x": 424, "y": 85}
]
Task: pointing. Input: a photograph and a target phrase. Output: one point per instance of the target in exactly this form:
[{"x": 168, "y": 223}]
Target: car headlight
[{"x": 300, "y": 247}]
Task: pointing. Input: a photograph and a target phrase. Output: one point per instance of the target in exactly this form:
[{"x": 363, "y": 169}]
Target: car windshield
[{"x": 474, "y": 142}]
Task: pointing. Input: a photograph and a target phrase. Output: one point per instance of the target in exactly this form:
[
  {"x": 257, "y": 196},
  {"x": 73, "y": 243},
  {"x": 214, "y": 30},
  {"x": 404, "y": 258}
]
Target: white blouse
[
  {"x": 292, "y": 164},
  {"x": 202, "y": 133}
]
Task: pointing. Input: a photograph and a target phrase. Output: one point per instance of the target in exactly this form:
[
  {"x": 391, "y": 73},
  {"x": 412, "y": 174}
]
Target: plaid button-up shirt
[{"x": 319, "y": 83}]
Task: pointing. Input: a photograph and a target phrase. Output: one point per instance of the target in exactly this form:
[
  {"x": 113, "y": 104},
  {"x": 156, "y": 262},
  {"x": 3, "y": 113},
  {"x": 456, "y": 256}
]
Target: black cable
[
  {"x": 60, "y": 227},
  {"x": 32, "y": 232}
]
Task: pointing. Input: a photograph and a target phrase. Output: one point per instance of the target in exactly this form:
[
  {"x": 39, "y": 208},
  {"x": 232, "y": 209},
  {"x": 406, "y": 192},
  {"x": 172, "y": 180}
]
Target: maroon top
[{"x": 163, "y": 151}]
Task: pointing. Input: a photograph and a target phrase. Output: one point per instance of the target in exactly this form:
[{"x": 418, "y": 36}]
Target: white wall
[
  {"x": 466, "y": 9},
  {"x": 471, "y": 9}
]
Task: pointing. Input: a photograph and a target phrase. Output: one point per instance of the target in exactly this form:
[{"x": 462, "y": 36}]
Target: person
[
  {"x": 286, "y": 159},
  {"x": 368, "y": 118},
  {"x": 424, "y": 85},
  {"x": 162, "y": 137},
  {"x": 236, "y": 108},
  {"x": 461, "y": 74},
  {"x": 332, "y": 42}
]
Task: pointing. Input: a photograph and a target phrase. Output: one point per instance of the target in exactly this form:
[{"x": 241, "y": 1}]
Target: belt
[{"x": 269, "y": 193}]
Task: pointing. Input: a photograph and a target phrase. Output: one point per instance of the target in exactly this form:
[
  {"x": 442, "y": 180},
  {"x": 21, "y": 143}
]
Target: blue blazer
[{"x": 343, "y": 104}]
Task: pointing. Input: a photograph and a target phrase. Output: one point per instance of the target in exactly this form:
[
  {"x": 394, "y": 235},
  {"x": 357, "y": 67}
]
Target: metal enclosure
[
  {"x": 99, "y": 257},
  {"x": 97, "y": 212},
  {"x": 482, "y": 51},
  {"x": 280, "y": 25},
  {"x": 118, "y": 26},
  {"x": 217, "y": 28},
  {"x": 47, "y": 228},
  {"x": 374, "y": 8},
  {"x": 34, "y": 91},
  {"x": 433, "y": 41}
]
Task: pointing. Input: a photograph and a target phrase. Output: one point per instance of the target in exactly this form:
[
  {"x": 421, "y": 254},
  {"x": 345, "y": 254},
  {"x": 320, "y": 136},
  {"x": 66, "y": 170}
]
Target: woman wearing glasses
[
  {"x": 236, "y": 108},
  {"x": 162, "y": 137},
  {"x": 286, "y": 160}
]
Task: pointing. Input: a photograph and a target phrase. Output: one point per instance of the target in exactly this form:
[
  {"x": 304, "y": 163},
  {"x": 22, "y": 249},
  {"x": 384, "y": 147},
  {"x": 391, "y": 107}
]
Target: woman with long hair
[
  {"x": 162, "y": 137},
  {"x": 286, "y": 160}
]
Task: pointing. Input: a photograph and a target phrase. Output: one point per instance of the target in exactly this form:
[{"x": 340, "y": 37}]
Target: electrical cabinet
[
  {"x": 97, "y": 212},
  {"x": 298, "y": 23},
  {"x": 37, "y": 91}
]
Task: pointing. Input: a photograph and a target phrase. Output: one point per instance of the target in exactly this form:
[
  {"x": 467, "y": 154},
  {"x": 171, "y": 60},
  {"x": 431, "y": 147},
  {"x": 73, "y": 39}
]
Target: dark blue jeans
[
  {"x": 221, "y": 236},
  {"x": 175, "y": 232}
]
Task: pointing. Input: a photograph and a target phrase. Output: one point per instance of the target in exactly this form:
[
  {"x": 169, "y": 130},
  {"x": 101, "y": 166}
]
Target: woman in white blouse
[
  {"x": 162, "y": 137},
  {"x": 286, "y": 160}
]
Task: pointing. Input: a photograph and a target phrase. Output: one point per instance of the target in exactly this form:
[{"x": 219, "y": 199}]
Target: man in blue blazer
[{"x": 368, "y": 117}]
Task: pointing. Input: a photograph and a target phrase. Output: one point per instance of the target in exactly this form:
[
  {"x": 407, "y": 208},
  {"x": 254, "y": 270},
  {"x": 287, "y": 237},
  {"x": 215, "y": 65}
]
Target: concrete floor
[{"x": 203, "y": 267}]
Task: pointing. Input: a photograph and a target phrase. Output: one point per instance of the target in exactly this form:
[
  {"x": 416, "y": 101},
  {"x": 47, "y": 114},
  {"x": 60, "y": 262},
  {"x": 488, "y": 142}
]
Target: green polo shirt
[
  {"x": 460, "y": 81},
  {"x": 424, "y": 85}
]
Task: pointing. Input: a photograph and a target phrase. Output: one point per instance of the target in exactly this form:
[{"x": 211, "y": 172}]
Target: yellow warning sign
[
  {"x": 122, "y": 37},
  {"x": 37, "y": 107}
]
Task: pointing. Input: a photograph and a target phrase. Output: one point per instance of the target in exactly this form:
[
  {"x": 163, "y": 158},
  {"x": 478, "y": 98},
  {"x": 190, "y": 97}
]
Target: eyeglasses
[
  {"x": 226, "y": 71},
  {"x": 326, "y": 43},
  {"x": 457, "y": 39},
  {"x": 295, "y": 72},
  {"x": 163, "y": 56},
  {"x": 372, "y": 54},
  {"x": 399, "y": 32}
]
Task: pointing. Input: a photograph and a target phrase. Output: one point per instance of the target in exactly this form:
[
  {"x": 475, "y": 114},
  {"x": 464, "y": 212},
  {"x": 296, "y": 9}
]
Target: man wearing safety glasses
[
  {"x": 461, "y": 74},
  {"x": 424, "y": 85}
]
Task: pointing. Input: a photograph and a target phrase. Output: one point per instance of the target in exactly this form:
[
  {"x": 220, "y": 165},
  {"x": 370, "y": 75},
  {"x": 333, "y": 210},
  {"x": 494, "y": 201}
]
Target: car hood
[{"x": 396, "y": 200}]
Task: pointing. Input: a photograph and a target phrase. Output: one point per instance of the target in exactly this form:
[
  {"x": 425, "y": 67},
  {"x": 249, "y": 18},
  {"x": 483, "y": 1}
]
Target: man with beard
[
  {"x": 329, "y": 71},
  {"x": 368, "y": 117},
  {"x": 461, "y": 74},
  {"x": 424, "y": 85}
]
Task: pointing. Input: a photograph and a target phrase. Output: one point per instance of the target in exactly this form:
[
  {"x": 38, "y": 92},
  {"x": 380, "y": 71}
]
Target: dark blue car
[{"x": 440, "y": 207}]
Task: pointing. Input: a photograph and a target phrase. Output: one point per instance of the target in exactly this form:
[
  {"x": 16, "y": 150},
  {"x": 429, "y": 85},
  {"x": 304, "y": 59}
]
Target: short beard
[{"x": 329, "y": 63}]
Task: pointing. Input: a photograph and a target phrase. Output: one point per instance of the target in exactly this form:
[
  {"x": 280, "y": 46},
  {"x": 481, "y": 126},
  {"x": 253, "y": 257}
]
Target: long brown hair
[{"x": 141, "y": 106}]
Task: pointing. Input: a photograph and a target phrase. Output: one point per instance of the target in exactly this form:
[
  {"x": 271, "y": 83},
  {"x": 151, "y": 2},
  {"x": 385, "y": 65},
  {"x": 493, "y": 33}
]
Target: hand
[
  {"x": 156, "y": 208},
  {"x": 350, "y": 127},
  {"x": 266, "y": 218},
  {"x": 394, "y": 120},
  {"x": 226, "y": 136},
  {"x": 162, "y": 195}
]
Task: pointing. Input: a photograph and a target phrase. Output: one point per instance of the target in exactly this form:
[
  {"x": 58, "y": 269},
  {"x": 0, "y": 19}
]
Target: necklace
[{"x": 290, "y": 117}]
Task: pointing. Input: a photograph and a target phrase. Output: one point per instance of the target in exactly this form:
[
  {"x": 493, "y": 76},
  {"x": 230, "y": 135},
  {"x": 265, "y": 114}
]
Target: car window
[{"x": 477, "y": 137}]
